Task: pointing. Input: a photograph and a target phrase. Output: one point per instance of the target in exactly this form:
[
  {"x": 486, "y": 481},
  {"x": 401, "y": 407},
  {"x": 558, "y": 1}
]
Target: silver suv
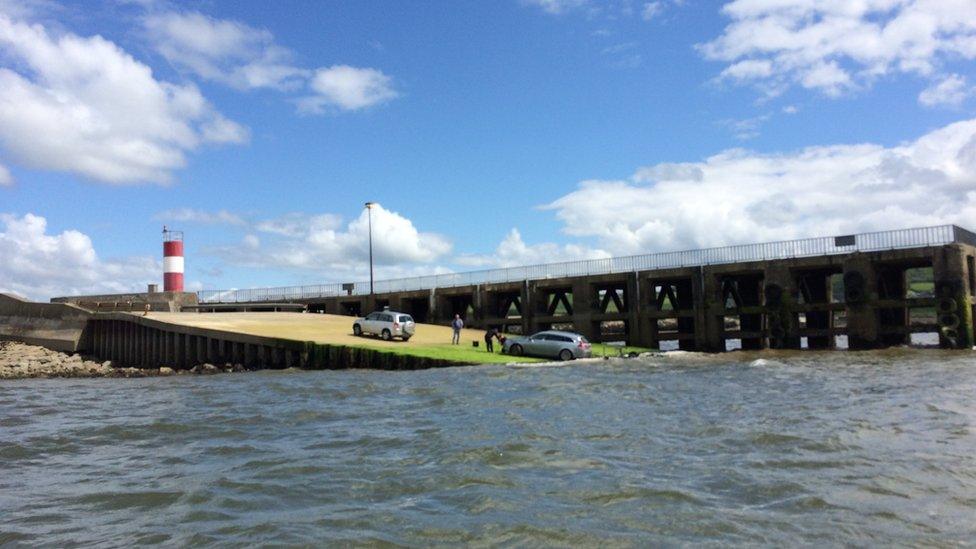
[{"x": 386, "y": 324}]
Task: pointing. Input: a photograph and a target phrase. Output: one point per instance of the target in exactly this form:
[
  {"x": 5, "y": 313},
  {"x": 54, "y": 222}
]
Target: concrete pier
[
  {"x": 806, "y": 300},
  {"x": 860, "y": 291}
]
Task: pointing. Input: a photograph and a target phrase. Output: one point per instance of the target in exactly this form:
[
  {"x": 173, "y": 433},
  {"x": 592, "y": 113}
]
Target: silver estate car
[
  {"x": 386, "y": 324},
  {"x": 549, "y": 344}
]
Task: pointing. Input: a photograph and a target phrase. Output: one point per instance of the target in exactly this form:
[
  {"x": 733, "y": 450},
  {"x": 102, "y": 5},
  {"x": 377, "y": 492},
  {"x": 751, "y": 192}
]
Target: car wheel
[
  {"x": 565, "y": 355},
  {"x": 406, "y": 338},
  {"x": 357, "y": 329},
  {"x": 386, "y": 335},
  {"x": 515, "y": 350}
]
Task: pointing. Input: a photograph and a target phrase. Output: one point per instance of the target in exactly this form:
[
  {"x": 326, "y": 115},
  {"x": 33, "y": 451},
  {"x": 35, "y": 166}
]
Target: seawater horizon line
[{"x": 912, "y": 237}]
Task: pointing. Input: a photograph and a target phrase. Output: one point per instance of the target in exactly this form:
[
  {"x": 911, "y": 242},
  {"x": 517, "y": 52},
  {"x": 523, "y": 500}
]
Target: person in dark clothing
[{"x": 489, "y": 339}]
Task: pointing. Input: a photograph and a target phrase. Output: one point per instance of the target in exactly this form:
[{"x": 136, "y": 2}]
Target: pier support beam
[
  {"x": 951, "y": 270},
  {"x": 582, "y": 315},
  {"x": 780, "y": 295},
  {"x": 815, "y": 290},
  {"x": 860, "y": 295}
]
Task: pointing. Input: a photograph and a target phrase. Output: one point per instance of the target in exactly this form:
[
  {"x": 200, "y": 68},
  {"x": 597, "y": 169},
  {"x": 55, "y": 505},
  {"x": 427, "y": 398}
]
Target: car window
[
  {"x": 372, "y": 316},
  {"x": 405, "y": 318},
  {"x": 561, "y": 338}
]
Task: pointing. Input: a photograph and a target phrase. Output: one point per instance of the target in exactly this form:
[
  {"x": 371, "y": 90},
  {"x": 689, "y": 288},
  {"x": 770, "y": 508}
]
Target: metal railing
[{"x": 807, "y": 247}]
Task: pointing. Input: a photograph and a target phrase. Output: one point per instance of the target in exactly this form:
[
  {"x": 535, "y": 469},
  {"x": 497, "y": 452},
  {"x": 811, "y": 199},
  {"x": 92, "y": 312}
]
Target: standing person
[
  {"x": 489, "y": 339},
  {"x": 457, "y": 324}
]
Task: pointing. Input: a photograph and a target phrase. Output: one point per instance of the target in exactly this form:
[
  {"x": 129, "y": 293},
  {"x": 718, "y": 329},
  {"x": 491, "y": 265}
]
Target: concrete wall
[
  {"x": 172, "y": 302},
  {"x": 136, "y": 341},
  {"x": 57, "y": 326}
]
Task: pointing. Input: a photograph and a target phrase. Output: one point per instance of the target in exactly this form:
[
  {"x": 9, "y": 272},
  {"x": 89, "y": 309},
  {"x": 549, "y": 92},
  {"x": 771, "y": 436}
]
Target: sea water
[{"x": 868, "y": 448}]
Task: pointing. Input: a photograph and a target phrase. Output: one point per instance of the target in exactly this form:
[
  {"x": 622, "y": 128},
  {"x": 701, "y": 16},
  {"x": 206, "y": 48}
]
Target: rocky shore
[{"x": 19, "y": 360}]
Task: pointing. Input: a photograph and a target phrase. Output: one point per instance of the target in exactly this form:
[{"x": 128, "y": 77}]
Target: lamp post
[{"x": 369, "y": 209}]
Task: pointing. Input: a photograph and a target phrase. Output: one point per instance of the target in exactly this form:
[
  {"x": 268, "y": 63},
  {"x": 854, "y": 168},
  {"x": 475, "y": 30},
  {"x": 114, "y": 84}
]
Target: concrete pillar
[
  {"x": 751, "y": 292},
  {"x": 477, "y": 306},
  {"x": 645, "y": 302},
  {"x": 950, "y": 269},
  {"x": 780, "y": 295},
  {"x": 583, "y": 305},
  {"x": 537, "y": 304},
  {"x": 632, "y": 300},
  {"x": 433, "y": 313},
  {"x": 710, "y": 309},
  {"x": 527, "y": 311},
  {"x": 860, "y": 296}
]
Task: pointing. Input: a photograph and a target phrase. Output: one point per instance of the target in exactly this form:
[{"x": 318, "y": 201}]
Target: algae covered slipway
[{"x": 429, "y": 341}]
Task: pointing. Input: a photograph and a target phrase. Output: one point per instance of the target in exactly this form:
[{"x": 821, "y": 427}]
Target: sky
[{"x": 490, "y": 134}]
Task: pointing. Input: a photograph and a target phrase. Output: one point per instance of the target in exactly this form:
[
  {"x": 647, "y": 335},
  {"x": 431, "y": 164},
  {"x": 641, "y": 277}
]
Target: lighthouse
[{"x": 172, "y": 260}]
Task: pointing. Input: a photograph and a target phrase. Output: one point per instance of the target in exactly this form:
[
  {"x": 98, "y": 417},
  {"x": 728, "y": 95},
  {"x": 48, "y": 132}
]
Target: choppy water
[{"x": 813, "y": 448}]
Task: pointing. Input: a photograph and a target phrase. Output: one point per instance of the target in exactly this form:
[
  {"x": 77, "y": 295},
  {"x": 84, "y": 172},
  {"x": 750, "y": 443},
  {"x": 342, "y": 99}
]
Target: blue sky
[{"x": 491, "y": 133}]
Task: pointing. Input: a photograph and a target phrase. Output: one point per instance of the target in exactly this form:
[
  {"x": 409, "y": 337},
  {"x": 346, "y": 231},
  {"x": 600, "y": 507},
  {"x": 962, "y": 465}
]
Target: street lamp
[{"x": 369, "y": 208}]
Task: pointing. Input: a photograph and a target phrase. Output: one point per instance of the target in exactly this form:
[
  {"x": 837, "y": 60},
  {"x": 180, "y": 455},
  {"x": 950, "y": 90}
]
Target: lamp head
[{"x": 369, "y": 205}]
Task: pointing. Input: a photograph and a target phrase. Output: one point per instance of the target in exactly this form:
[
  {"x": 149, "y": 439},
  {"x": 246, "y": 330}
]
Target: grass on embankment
[{"x": 477, "y": 355}]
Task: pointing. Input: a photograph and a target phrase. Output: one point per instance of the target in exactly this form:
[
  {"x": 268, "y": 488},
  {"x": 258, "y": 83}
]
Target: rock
[
  {"x": 166, "y": 371},
  {"x": 209, "y": 369}
]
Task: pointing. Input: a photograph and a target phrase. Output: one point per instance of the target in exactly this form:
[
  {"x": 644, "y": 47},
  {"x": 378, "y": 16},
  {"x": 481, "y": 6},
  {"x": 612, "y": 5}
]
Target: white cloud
[
  {"x": 739, "y": 196},
  {"x": 191, "y": 215},
  {"x": 5, "y": 177},
  {"x": 840, "y": 46},
  {"x": 651, "y": 10},
  {"x": 747, "y": 128},
  {"x": 297, "y": 224},
  {"x": 226, "y": 51},
  {"x": 347, "y": 88},
  {"x": 39, "y": 265},
  {"x": 950, "y": 91},
  {"x": 747, "y": 70},
  {"x": 321, "y": 244},
  {"x": 514, "y": 252},
  {"x": 244, "y": 57},
  {"x": 84, "y": 105},
  {"x": 556, "y": 7}
]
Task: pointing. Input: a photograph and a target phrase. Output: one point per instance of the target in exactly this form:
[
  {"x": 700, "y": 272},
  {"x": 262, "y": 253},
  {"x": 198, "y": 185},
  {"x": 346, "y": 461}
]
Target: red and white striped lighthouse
[{"x": 172, "y": 260}]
